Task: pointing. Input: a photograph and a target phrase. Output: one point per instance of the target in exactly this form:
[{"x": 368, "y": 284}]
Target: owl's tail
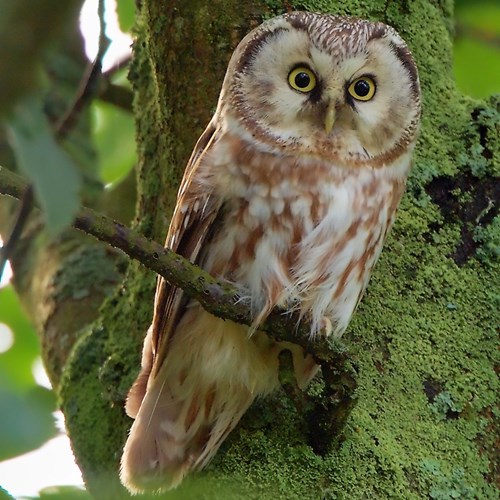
[{"x": 210, "y": 376}]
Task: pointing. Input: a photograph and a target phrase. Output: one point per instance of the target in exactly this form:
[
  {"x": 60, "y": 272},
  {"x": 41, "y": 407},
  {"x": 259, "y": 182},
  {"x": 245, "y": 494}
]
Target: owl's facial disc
[{"x": 344, "y": 86}]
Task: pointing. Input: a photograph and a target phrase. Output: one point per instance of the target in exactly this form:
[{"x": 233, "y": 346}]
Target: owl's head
[{"x": 339, "y": 88}]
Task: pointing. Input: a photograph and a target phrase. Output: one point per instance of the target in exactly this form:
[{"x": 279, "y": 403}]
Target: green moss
[
  {"x": 97, "y": 429},
  {"x": 488, "y": 237},
  {"x": 85, "y": 269}
]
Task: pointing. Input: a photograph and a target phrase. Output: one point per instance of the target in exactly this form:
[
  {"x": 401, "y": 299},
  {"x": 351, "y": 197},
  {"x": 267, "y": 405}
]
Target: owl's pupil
[
  {"x": 362, "y": 88},
  {"x": 302, "y": 80}
]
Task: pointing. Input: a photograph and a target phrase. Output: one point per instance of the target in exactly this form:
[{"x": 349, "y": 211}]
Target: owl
[{"x": 289, "y": 193}]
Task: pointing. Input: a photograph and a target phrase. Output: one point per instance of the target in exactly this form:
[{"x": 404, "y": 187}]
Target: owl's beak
[{"x": 330, "y": 117}]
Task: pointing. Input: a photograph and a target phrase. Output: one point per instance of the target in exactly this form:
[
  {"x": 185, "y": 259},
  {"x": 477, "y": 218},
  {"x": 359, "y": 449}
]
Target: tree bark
[{"x": 422, "y": 341}]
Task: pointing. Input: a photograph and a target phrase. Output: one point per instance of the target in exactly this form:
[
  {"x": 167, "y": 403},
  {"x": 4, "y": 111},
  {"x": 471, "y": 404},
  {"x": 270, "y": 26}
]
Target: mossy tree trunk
[{"x": 423, "y": 340}]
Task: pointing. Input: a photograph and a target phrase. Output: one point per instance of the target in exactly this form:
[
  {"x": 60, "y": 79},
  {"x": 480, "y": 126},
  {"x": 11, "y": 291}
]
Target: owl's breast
[{"x": 300, "y": 230}]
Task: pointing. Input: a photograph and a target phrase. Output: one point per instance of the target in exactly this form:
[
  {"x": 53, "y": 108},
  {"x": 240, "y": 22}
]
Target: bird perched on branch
[{"x": 290, "y": 193}]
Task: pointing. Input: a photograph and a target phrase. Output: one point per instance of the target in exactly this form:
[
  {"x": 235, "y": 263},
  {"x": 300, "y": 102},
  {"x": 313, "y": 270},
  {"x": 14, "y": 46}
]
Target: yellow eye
[
  {"x": 302, "y": 79},
  {"x": 362, "y": 89}
]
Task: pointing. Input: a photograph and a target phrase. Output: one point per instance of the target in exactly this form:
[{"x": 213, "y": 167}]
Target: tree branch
[
  {"x": 17, "y": 228},
  {"x": 218, "y": 297},
  {"x": 90, "y": 81},
  {"x": 115, "y": 94}
]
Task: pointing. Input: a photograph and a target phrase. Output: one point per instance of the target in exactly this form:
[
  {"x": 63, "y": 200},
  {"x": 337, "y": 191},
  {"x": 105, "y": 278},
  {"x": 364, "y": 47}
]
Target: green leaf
[
  {"x": 27, "y": 420},
  {"x": 114, "y": 139},
  {"x": 54, "y": 176},
  {"x": 25, "y": 407},
  {"x": 16, "y": 364},
  {"x": 64, "y": 493},
  {"x": 126, "y": 14},
  {"x": 4, "y": 495},
  {"x": 476, "y": 52},
  {"x": 477, "y": 67}
]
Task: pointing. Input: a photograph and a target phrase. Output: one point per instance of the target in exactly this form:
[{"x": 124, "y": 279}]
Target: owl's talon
[{"x": 325, "y": 326}]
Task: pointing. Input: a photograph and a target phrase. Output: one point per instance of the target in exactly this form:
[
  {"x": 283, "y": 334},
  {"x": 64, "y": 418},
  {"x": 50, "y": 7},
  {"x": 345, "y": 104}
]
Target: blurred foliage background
[
  {"x": 26, "y": 408},
  {"x": 477, "y": 47}
]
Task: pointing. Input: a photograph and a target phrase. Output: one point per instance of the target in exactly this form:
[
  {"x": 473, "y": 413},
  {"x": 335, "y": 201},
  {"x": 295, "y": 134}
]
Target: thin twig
[
  {"x": 481, "y": 35},
  {"x": 89, "y": 83},
  {"x": 17, "y": 229},
  {"x": 117, "y": 95},
  {"x": 122, "y": 63}
]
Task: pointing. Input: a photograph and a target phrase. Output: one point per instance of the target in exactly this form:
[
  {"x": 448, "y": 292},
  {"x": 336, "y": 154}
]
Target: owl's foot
[{"x": 325, "y": 326}]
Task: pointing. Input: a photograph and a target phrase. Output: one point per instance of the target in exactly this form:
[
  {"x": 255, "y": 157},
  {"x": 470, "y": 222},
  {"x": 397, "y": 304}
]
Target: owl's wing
[{"x": 194, "y": 214}]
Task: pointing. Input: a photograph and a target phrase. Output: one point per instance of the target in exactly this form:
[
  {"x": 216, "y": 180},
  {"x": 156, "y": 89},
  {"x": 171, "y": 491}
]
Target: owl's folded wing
[{"x": 191, "y": 222}]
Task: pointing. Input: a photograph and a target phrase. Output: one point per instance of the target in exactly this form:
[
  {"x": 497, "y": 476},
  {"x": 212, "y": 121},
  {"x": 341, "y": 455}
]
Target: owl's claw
[{"x": 325, "y": 326}]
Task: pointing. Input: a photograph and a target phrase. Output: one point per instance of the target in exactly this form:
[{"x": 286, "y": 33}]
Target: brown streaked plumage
[{"x": 290, "y": 192}]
